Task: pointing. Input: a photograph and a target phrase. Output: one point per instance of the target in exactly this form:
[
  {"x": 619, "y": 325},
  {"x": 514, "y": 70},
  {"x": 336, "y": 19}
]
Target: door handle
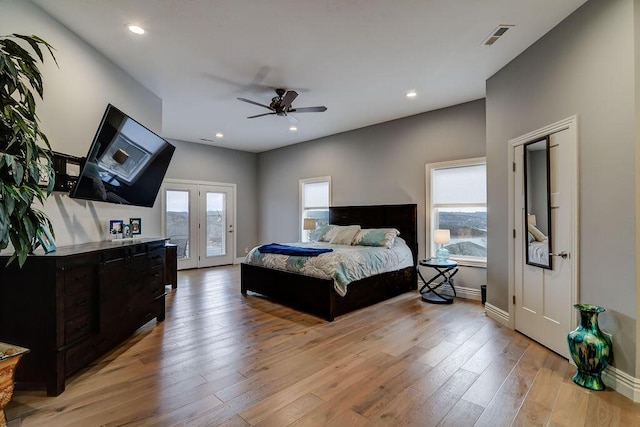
[{"x": 563, "y": 254}]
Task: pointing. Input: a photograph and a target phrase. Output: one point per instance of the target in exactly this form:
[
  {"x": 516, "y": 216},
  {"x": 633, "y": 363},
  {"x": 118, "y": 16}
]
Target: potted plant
[
  {"x": 25, "y": 153},
  {"x": 25, "y": 157}
]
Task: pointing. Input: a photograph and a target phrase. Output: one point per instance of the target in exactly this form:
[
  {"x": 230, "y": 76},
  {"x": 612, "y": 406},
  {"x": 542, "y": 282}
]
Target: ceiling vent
[{"x": 496, "y": 34}]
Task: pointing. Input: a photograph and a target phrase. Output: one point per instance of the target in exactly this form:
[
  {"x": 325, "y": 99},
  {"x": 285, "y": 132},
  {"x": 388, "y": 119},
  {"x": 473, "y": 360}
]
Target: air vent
[
  {"x": 496, "y": 34},
  {"x": 207, "y": 140}
]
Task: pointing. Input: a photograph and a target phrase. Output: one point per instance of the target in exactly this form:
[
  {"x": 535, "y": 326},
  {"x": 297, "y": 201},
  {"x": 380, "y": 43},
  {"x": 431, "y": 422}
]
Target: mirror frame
[{"x": 549, "y": 265}]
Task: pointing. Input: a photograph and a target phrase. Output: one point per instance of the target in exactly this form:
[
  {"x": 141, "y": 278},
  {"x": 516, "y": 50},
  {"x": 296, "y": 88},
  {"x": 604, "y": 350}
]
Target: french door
[{"x": 199, "y": 218}]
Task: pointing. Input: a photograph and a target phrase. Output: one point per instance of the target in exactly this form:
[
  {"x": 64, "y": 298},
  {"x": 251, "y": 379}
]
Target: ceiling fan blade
[
  {"x": 288, "y": 98},
  {"x": 309, "y": 110},
  {"x": 291, "y": 119},
  {"x": 260, "y": 115},
  {"x": 254, "y": 103}
]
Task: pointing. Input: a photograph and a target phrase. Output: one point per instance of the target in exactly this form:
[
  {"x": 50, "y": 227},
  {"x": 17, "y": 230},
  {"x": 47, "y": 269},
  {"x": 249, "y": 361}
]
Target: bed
[{"x": 318, "y": 296}]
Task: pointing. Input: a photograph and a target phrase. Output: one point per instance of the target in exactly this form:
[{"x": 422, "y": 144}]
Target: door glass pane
[
  {"x": 178, "y": 220},
  {"x": 216, "y": 224}
]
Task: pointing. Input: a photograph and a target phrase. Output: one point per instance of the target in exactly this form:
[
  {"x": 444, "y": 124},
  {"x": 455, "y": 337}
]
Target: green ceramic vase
[{"x": 590, "y": 349}]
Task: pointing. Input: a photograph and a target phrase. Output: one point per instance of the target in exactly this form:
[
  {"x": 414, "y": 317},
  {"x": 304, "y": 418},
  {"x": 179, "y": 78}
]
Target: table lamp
[
  {"x": 309, "y": 224},
  {"x": 531, "y": 219},
  {"x": 441, "y": 237}
]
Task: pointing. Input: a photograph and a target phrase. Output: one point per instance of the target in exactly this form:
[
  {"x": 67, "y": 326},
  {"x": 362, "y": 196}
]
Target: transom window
[
  {"x": 315, "y": 198},
  {"x": 457, "y": 197}
]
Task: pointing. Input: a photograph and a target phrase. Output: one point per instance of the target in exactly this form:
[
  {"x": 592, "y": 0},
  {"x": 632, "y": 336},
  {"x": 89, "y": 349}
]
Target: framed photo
[
  {"x": 136, "y": 225},
  {"x": 46, "y": 240},
  {"x": 115, "y": 226},
  {"x": 126, "y": 230}
]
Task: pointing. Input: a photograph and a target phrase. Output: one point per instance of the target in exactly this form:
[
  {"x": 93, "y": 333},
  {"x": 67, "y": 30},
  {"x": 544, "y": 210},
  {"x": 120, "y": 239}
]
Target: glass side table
[{"x": 442, "y": 292}]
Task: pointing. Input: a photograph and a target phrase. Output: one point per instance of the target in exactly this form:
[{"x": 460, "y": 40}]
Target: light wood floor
[{"x": 224, "y": 359}]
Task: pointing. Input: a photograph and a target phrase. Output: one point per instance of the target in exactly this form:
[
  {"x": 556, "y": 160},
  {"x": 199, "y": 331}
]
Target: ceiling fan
[{"x": 281, "y": 106}]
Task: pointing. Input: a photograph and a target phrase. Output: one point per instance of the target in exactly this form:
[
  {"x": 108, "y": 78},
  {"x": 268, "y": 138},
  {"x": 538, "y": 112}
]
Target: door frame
[
  {"x": 570, "y": 124},
  {"x": 234, "y": 190}
]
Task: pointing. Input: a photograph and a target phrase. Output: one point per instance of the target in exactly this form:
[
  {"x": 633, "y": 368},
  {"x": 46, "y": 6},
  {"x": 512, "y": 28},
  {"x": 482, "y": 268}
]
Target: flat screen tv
[{"x": 126, "y": 162}]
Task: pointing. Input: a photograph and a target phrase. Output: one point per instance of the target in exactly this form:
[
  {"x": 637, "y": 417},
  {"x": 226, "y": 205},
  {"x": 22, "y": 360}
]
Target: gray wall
[
  {"x": 584, "y": 66},
  {"x": 76, "y": 95},
  {"x": 380, "y": 164},
  {"x": 200, "y": 162}
]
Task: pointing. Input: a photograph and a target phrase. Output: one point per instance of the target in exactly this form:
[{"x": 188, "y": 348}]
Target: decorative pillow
[
  {"x": 322, "y": 233},
  {"x": 537, "y": 234},
  {"x": 343, "y": 234},
  {"x": 530, "y": 237},
  {"x": 381, "y": 237}
]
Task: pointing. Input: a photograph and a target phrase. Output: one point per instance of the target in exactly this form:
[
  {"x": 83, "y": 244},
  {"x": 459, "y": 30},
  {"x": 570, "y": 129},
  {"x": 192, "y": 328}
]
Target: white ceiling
[{"x": 357, "y": 57}]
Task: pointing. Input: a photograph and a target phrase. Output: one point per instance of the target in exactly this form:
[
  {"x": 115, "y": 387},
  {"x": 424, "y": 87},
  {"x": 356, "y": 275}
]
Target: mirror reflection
[{"x": 537, "y": 206}]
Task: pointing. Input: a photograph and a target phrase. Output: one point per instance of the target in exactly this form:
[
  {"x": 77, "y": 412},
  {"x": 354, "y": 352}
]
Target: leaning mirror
[{"x": 537, "y": 209}]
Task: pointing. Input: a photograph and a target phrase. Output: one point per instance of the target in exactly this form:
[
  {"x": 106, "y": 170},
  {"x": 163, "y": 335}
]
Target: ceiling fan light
[{"x": 136, "y": 29}]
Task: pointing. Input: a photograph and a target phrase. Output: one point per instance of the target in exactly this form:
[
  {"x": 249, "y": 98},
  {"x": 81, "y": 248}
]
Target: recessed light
[
  {"x": 293, "y": 128},
  {"x": 219, "y": 135},
  {"x": 412, "y": 94},
  {"x": 136, "y": 30}
]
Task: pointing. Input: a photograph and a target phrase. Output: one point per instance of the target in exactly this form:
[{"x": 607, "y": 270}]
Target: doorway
[
  {"x": 199, "y": 217},
  {"x": 542, "y": 298}
]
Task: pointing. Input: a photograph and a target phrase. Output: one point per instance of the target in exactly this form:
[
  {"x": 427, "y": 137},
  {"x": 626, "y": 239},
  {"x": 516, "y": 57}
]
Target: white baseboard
[
  {"x": 622, "y": 382},
  {"x": 497, "y": 314},
  {"x": 468, "y": 293}
]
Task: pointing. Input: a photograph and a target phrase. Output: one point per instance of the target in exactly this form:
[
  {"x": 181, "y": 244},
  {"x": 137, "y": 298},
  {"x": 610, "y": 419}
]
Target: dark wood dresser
[{"x": 71, "y": 306}]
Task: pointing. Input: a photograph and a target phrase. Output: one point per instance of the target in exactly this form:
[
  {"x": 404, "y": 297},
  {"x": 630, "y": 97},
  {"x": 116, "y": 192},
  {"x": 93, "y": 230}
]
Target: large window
[
  {"x": 315, "y": 198},
  {"x": 457, "y": 197}
]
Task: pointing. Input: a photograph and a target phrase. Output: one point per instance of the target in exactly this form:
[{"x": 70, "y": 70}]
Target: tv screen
[{"x": 126, "y": 162}]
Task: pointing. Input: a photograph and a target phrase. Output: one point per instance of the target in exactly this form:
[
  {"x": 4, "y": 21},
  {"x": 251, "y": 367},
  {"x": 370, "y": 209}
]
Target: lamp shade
[
  {"x": 531, "y": 219},
  {"x": 441, "y": 236},
  {"x": 309, "y": 224}
]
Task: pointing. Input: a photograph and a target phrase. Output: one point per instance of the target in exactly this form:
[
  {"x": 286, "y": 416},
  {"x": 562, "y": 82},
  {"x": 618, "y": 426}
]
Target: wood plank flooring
[{"x": 222, "y": 359}]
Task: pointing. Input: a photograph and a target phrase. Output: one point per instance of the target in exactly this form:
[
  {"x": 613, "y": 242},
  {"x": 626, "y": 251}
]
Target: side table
[{"x": 442, "y": 292}]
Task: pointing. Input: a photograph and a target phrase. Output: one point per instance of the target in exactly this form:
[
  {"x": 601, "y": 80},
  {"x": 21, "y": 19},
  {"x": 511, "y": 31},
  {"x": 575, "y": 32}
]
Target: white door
[
  {"x": 544, "y": 298},
  {"x": 216, "y": 225},
  {"x": 199, "y": 218}
]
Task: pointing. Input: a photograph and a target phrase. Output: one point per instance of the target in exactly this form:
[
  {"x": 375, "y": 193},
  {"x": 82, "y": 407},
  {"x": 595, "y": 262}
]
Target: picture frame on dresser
[
  {"x": 136, "y": 225},
  {"x": 46, "y": 240}
]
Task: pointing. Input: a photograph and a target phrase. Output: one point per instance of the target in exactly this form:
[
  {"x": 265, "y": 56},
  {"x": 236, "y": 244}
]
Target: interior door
[
  {"x": 544, "y": 297},
  {"x": 216, "y": 225}
]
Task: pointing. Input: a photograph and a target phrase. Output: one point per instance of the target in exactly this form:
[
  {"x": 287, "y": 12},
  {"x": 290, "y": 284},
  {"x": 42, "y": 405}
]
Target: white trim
[
  {"x": 497, "y": 314},
  {"x": 428, "y": 190},
  {"x": 622, "y": 382},
  {"x": 468, "y": 293},
  {"x": 570, "y": 123}
]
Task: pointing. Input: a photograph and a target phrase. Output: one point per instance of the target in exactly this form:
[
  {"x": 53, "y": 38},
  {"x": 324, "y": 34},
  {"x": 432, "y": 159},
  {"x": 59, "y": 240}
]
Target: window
[
  {"x": 457, "y": 197},
  {"x": 315, "y": 198}
]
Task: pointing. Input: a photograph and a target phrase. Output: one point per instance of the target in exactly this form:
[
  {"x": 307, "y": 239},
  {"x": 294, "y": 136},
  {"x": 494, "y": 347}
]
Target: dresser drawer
[
  {"x": 79, "y": 303},
  {"x": 78, "y": 279},
  {"x": 78, "y": 327}
]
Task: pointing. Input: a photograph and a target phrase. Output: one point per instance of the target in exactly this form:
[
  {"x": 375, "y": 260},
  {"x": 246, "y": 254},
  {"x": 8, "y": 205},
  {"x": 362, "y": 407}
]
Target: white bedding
[
  {"x": 344, "y": 265},
  {"x": 539, "y": 252}
]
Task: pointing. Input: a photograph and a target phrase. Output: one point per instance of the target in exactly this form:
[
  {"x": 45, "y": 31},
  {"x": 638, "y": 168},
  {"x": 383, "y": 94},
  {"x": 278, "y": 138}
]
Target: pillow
[
  {"x": 322, "y": 233},
  {"x": 537, "y": 234},
  {"x": 530, "y": 237},
  {"x": 381, "y": 237},
  {"x": 343, "y": 234}
]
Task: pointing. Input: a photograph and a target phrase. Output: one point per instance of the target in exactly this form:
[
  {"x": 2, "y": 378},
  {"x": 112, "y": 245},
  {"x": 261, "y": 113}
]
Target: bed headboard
[{"x": 402, "y": 217}]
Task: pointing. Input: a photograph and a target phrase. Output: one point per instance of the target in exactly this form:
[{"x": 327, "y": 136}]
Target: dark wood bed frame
[{"x": 318, "y": 296}]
